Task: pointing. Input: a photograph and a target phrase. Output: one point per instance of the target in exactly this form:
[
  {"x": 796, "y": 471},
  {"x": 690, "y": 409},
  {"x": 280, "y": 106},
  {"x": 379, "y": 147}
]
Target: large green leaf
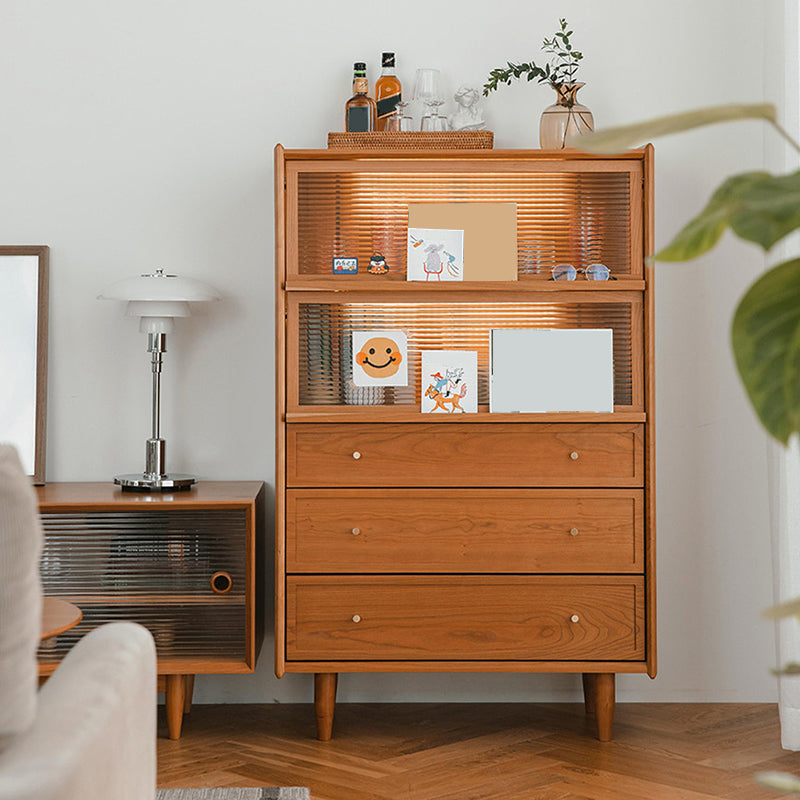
[
  {"x": 701, "y": 234},
  {"x": 766, "y": 345},
  {"x": 757, "y": 206},
  {"x": 615, "y": 140}
]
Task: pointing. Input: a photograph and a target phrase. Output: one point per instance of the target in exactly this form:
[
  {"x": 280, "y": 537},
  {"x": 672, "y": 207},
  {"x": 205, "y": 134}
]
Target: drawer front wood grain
[
  {"x": 463, "y": 531},
  {"x": 477, "y": 454},
  {"x": 466, "y": 618}
]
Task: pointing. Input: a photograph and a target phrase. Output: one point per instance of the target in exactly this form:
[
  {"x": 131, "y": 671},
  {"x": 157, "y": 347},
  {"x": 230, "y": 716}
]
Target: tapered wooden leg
[
  {"x": 175, "y": 695},
  {"x": 188, "y": 691},
  {"x": 605, "y": 706},
  {"x": 325, "y": 703},
  {"x": 590, "y": 692},
  {"x": 598, "y": 695}
]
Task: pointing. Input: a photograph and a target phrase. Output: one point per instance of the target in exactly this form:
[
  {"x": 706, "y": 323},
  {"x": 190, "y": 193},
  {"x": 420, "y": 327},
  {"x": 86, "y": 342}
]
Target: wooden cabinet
[
  {"x": 461, "y": 542},
  {"x": 185, "y": 565}
]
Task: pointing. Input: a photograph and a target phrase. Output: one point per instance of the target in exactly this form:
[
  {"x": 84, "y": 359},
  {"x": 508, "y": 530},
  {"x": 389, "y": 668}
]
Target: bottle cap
[
  {"x": 387, "y": 60},
  {"x": 360, "y": 66}
]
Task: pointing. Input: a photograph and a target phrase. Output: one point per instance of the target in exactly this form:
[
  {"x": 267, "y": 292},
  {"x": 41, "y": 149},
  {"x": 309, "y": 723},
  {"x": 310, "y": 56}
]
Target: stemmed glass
[
  {"x": 406, "y": 121},
  {"x": 428, "y": 90}
]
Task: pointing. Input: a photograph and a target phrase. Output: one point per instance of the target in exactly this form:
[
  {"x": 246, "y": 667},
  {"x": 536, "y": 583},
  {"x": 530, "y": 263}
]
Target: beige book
[{"x": 490, "y": 235}]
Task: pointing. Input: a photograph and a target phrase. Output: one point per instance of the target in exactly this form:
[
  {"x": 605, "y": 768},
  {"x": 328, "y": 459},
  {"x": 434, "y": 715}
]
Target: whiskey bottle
[
  {"x": 387, "y": 91},
  {"x": 359, "y": 112}
]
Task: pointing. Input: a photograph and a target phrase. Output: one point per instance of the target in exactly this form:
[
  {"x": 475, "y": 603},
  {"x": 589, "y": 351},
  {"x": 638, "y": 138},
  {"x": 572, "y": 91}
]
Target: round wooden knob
[
  {"x": 574, "y": 455},
  {"x": 356, "y": 531},
  {"x": 356, "y": 618},
  {"x": 573, "y": 531},
  {"x": 574, "y": 618},
  {"x": 356, "y": 455},
  {"x": 221, "y": 582}
]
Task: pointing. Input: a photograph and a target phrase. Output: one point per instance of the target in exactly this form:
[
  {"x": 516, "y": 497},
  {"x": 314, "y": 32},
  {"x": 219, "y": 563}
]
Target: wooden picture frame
[{"x": 24, "y": 290}]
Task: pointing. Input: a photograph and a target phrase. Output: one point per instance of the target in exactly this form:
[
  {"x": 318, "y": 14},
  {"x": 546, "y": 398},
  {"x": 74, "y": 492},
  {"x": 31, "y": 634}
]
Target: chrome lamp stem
[{"x": 155, "y": 478}]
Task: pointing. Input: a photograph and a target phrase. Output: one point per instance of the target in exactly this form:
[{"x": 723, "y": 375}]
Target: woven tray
[{"x": 422, "y": 140}]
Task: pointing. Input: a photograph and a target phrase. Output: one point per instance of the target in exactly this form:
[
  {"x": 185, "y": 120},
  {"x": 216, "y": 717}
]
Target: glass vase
[{"x": 565, "y": 118}]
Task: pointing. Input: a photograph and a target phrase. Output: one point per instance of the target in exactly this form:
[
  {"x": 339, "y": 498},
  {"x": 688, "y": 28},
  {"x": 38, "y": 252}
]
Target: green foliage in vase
[
  {"x": 760, "y": 208},
  {"x": 560, "y": 70}
]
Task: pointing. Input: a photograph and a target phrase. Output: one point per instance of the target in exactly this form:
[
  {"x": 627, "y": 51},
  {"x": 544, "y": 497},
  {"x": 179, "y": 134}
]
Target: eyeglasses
[{"x": 594, "y": 272}]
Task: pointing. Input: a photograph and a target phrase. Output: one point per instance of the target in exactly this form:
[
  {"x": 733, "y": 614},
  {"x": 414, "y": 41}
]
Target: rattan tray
[{"x": 416, "y": 140}]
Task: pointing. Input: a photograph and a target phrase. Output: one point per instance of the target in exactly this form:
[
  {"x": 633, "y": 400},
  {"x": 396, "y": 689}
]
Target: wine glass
[
  {"x": 428, "y": 90},
  {"x": 406, "y": 120}
]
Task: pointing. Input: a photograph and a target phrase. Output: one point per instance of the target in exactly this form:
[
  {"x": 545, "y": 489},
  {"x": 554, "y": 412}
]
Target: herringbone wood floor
[{"x": 476, "y": 751}]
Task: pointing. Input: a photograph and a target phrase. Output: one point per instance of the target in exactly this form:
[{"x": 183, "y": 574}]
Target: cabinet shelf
[
  {"x": 398, "y": 284},
  {"x": 367, "y": 413}
]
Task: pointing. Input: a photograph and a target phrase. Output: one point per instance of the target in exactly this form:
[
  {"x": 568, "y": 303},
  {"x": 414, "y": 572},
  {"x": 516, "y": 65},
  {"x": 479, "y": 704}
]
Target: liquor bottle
[
  {"x": 359, "y": 112},
  {"x": 387, "y": 91}
]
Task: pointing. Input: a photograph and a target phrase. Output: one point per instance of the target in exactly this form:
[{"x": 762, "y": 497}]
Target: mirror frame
[{"x": 42, "y": 252}]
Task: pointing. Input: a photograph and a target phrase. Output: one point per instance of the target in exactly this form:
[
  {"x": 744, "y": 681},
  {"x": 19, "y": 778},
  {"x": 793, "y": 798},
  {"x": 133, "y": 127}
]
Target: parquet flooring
[{"x": 508, "y": 751}]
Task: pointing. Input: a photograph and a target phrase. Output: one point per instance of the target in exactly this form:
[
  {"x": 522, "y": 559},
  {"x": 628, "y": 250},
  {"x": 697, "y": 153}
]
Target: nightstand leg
[
  {"x": 175, "y": 697},
  {"x": 188, "y": 691},
  {"x": 598, "y": 691},
  {"x": 325, "y": 703}
]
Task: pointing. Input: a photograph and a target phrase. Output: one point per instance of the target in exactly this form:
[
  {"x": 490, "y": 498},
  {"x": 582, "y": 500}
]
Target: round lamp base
[{"x": 164, "y": 483}]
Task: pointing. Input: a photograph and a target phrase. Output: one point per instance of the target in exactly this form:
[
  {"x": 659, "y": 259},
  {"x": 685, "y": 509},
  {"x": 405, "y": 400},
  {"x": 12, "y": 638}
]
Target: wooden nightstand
[{"x": 186, "y": 565}]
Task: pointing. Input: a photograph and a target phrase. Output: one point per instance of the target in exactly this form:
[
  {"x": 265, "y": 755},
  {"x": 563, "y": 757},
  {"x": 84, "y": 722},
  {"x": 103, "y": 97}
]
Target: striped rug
[{"x": 229, "y": 793}]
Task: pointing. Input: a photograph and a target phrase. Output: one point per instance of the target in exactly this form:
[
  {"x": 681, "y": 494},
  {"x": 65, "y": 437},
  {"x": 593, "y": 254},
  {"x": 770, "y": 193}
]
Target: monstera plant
[{"x": 765, "y": 332}]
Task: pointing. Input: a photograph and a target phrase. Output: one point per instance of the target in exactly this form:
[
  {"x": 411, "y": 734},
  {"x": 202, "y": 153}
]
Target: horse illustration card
[
  {"x": 435, "y": 254},
  {"x": 449, "y": 382},
  {"x": 380, "y": 358}
]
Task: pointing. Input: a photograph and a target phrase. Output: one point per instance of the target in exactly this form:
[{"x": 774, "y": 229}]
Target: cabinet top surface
[
  {"x": 211, "y": 493},
  {"x": 484, "y": 154}
]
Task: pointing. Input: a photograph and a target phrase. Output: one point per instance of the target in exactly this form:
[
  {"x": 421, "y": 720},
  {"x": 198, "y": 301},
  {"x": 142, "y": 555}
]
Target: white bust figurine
[{"x": 468, "y": 117}]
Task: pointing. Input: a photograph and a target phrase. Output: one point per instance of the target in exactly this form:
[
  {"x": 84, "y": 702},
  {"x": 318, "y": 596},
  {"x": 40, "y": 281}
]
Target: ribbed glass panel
[
  {"x": 202, "y": 630},
  {"x": 173, "y": 552},
  {"x": 325, "y": 368},
  {"x": 577, "y": 218}
]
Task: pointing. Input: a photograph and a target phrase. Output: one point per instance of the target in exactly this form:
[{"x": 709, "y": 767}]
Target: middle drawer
[{"x": 458, "y": 531}]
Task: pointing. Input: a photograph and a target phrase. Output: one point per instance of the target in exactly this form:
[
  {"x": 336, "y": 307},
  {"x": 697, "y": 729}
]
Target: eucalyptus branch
[{"x": 560, "y": 70}]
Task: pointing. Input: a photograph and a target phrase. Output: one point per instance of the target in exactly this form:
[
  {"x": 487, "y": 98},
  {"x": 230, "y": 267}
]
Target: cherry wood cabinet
[
  {"x": 186, "y": 565},
  {"x": 461, "y": 542}
]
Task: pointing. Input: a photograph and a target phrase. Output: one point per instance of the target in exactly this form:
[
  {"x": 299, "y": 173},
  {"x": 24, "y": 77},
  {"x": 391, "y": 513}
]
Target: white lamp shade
[{"x": 161, "y": 288}]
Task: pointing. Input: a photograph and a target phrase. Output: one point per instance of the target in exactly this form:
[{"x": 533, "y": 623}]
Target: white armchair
[{"x": 91, "y": 730}]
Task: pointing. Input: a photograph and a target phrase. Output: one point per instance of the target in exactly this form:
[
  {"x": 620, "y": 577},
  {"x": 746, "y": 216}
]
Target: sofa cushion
[{"x": 20, "y": 595}]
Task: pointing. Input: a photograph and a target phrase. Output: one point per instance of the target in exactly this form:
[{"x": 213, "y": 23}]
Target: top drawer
[{"x": 474, "y": 454}]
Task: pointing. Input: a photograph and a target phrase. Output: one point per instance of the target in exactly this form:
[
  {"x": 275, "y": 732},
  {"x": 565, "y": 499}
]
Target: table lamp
[{"x": 157, "y": 298}]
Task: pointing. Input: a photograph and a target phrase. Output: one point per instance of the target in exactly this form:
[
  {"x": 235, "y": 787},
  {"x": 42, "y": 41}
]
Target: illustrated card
[
  {"x": 449, "y": 382},
  {"x": 435, "y": 254},
  {"x": 380, "y": 358}
]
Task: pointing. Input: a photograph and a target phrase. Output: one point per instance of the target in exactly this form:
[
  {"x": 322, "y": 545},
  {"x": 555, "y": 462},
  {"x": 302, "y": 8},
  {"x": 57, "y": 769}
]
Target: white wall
[{"x": 140, "y": 134}]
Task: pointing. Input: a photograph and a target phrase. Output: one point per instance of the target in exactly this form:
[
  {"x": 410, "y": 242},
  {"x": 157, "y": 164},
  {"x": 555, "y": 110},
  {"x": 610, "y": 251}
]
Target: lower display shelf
[{"x": 186, "y": 630}]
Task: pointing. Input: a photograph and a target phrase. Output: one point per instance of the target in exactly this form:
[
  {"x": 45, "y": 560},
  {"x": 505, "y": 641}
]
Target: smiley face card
[{"x": 380, "y": 358}]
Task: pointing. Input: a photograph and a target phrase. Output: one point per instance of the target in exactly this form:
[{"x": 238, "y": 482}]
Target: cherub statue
[{"x": 469, "y": 116}]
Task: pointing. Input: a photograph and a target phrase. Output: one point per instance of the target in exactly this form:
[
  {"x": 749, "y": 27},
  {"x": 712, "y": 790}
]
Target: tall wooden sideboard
[{"x": 485, "y": 542}]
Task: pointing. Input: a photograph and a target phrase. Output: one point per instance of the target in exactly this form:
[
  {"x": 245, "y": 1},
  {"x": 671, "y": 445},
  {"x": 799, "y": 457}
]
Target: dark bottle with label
[
  {"x": 387, "y": 91},
  {"x": 359, "y": 112}
]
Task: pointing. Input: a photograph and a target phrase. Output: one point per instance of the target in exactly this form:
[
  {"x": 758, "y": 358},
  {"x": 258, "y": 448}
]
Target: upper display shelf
[{"x": 571, "y": 208}]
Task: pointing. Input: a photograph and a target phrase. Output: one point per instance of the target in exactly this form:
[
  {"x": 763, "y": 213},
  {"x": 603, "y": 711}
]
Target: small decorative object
[
  {"x": 449, "y": 381},
  {"x": 435, "y": 254},
  {"x": 566, "y": 117},
  {"x": 380, "y": 358},
  {"x": 23, "y": 353},
  {"x": 469, "y": 115},
  {"x": 157, "y": 298},
  {"x": 345, "y": 266},
  {"x": 377, "y": 265}
]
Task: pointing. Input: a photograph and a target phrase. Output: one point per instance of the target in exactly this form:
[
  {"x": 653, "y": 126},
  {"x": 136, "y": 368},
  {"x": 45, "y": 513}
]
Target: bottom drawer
[{"x": 465, "y": 618}]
